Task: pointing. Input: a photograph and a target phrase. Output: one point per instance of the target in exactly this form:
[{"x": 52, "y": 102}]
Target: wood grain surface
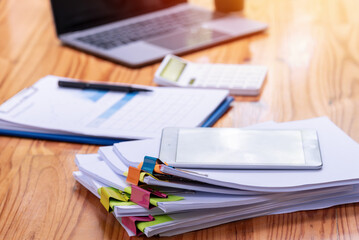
[{"x": 311, "y": 49}]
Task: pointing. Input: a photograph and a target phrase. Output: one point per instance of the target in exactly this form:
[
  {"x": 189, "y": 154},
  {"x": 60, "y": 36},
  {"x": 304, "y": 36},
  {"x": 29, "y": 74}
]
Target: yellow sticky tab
[
  {"x": 108, "y": 193},
  {"x": 133, "y": 175},
  {"x": 143, "y": 174},
  {"x": 127, "y": 190}
]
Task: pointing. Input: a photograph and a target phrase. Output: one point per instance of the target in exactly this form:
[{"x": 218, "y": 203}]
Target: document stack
[{"x": 148, "y": 197}]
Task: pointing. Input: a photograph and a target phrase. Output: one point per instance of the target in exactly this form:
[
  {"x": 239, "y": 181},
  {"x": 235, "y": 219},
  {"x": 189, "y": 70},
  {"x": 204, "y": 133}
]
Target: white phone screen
[{"x": 240, "y": 146}]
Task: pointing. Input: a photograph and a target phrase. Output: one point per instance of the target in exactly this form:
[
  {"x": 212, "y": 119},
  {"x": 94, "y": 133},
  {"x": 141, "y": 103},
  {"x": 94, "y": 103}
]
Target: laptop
[{"x": 139, "y": 32}]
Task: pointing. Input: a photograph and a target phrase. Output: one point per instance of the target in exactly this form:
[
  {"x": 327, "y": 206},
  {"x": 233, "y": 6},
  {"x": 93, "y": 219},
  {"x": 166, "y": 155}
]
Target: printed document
[{"x": 45, "y": 107}]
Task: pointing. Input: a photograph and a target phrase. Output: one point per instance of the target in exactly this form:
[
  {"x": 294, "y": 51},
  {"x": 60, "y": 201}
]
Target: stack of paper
[{"x": 150, "y": 198}]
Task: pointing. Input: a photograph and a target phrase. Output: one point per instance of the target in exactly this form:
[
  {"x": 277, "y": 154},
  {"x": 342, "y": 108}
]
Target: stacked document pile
[{"x": 148, "y": 197}]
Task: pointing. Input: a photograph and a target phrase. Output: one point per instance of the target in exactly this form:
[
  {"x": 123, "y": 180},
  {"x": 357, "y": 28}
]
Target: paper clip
[
  {"x": 130, "y": 223},
  {"x": 133, "y": 175},
  {"x": 142, "y": 196}
]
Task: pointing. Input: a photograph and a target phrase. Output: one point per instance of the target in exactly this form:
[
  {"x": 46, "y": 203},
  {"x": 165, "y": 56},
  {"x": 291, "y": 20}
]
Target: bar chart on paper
[{"x": 46, "y": 108}]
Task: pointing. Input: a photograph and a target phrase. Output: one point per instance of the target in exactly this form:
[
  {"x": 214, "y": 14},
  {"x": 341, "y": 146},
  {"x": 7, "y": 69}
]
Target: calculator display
[{"x": 173, "y": 70}]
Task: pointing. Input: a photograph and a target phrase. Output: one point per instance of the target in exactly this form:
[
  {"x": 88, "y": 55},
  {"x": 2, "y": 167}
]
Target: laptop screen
[{"x": 73, "y": 15}]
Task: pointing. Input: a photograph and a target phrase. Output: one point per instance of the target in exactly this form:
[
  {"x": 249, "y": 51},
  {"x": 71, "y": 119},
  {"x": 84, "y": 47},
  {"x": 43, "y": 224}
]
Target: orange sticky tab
[
  {"x": 140, "y": 165},
  {"x": 158, "y": 167},
  {"x": 133, "y": 175}
]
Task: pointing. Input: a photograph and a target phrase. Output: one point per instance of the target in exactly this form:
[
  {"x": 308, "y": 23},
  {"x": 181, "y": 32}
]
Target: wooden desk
[{"x": 311, "y": 49}]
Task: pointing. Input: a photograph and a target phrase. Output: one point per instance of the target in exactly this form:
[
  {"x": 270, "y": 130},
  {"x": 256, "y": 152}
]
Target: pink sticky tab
[
  {"x": 159, "y": 194},
  {"x": 140, "y": 196},
  {"x": 130, "y": 223}
]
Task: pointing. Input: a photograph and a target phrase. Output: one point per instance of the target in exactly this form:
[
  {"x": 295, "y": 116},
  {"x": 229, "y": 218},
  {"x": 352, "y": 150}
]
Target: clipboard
[{"x": 210, "y": 121}]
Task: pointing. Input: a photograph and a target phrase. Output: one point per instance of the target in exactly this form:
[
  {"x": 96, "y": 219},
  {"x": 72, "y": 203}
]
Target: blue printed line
[
  {"x": 94, "y": 95},
  {"x": 112, "y": 110}
]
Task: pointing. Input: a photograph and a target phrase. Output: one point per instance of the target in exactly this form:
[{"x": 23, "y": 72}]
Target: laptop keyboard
[{"x": 145, "y": 29}]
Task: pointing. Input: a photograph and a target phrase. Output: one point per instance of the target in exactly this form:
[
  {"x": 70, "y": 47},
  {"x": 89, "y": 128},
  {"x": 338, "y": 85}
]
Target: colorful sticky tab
[
  {"x": 139, "y": 166},
  {"x": 155, "y": 192},
  {"x": 158, "y": 220},
  {"x": 142, "y": 196},
  {"x": 170, "y": 198},
  {"x": 149, "y": 164},
  {"x": 108, "y": 193},
  {"x": 158, "y": 169},
  {"x": 130, "y": 222},
  {"x": 157, "y": 163},
  {"x": 133, "y": 175}
]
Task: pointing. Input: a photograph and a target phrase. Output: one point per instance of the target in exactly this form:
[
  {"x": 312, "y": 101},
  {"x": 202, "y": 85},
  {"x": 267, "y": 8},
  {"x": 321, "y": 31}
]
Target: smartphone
[{"x": 234, "y": 148}]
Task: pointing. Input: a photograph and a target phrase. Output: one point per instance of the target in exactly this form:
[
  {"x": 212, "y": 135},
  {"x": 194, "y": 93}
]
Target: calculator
[{"x": 237, "y": 78}]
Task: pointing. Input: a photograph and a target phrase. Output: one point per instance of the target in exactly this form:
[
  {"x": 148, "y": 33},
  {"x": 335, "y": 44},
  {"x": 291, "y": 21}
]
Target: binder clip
[
  {"x": 130, "y": 223},
  {"x": 148, "y": 166},
  {"x": 108, "y": 194},
  {"x": 151, "y": 164},
  {"x": 142, "y": 196},
  {"x": 133, "y": 175}
]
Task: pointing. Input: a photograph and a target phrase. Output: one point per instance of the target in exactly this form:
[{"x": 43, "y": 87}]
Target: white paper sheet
[
  {"x": 198, "y": 219},
  {"x": 92, "y": 165},
  {"x": 203, "y": 219},
  {"x": 119, "y": 167},
  {"x": 340, "y": 156},
  {"x": 320, "y": 204},
  {"x": 133, "y": 115},
  {"x": 193, "y": 200},
  {"x": 197, "y": 201}
]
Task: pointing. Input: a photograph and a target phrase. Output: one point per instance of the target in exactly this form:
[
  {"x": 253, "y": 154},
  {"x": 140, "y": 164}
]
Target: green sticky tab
[
  {"x": 108, "y": 193},
  {"x": 170, "y": 198},
  {"x": 127, "y": 190},
  {"x": 158, "y": 220},
  {"x": 114, "y": 203}
]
